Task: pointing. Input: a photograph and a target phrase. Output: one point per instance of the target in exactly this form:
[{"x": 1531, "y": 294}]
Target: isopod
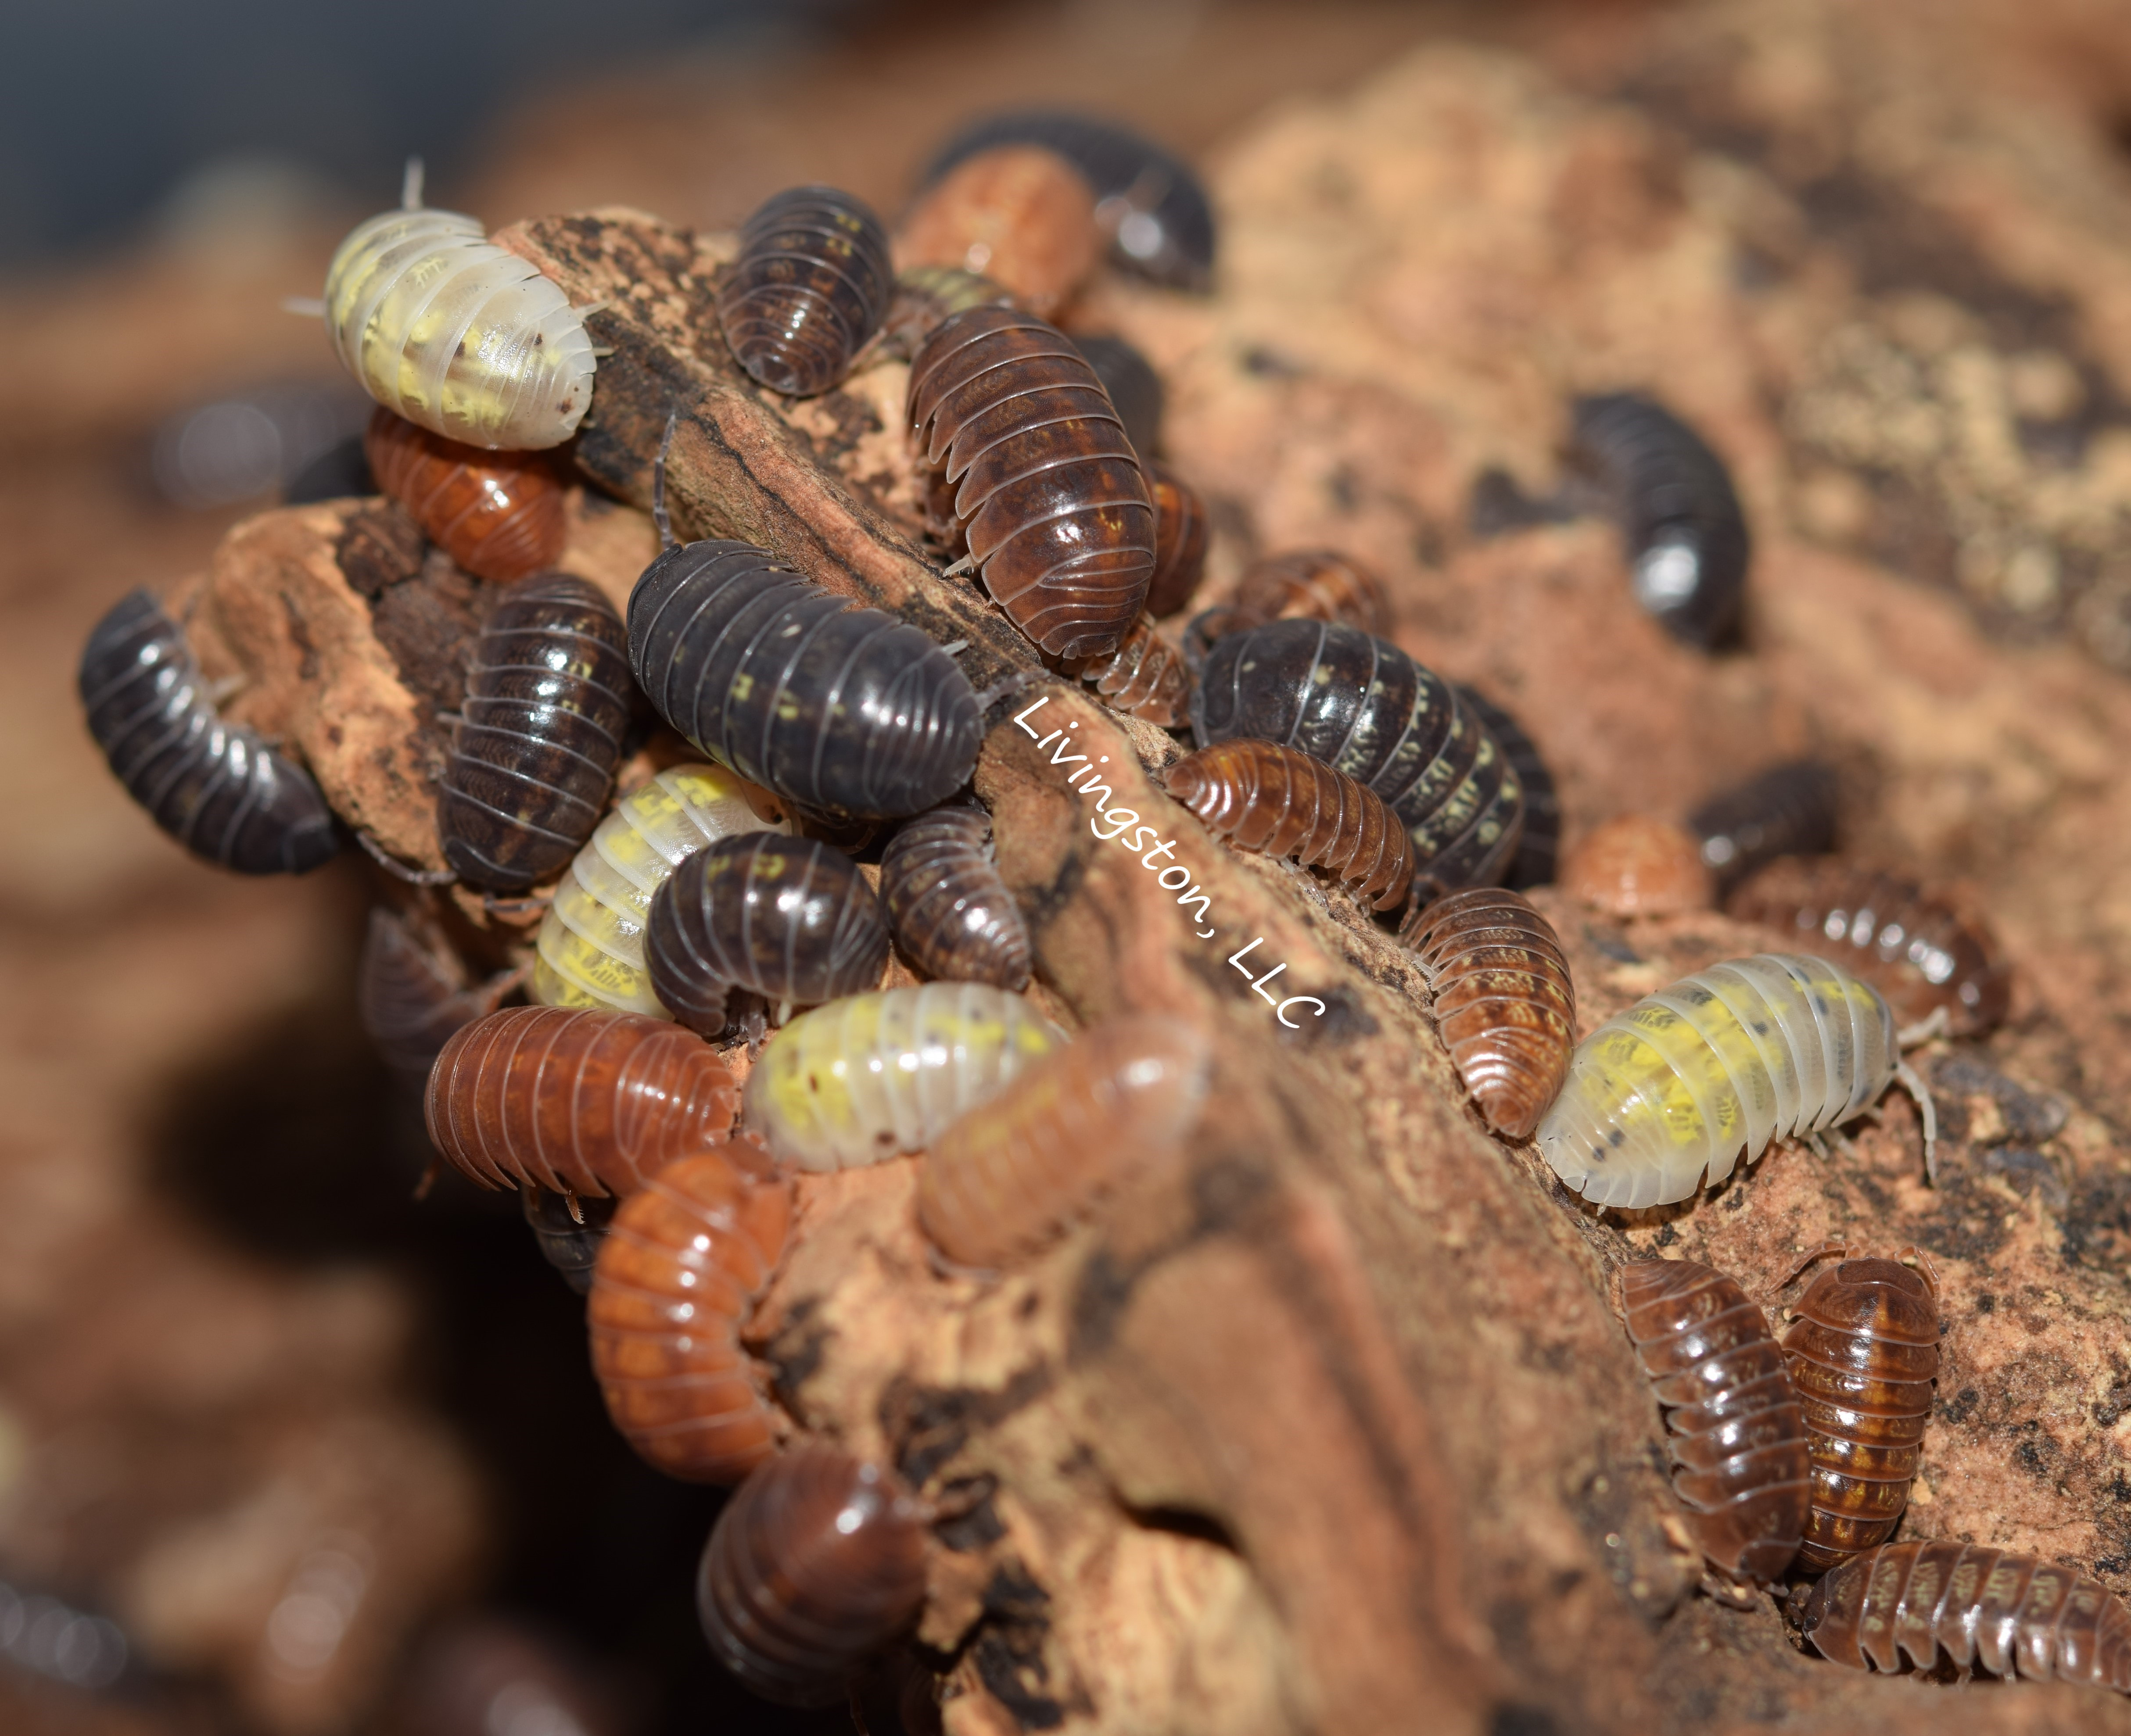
[
  {"x": 569, "y": 1231},
  {"x": 1921, "y": 950},
  {"x": 539, "y": 735},
  {"x": 1145, "y": 677},
  {"x": 1181, "y": 529},
  {"x": 1364, "y": 707},
  {"x": 816, "y": 1563},
  {"x": 1687, "y": 537},
  {"x": 1020, "y": 214},
  {"x": 1988, "y": 1610},
  {"x": 500, "y": 516},
  {"x": 1788, "y": 810},
  {"x": 861, "y": 1079},
  {"x": 1260, "y": 795},
  {"x": 1052, "y": 498},
  {"x": 844, "y": 710},
  {"x": 1503, "y": 1002},
  {"x": 1012, "y": 1175},
  {"x": 575, "y": 1100},
  {"x": 1134, "y": 388},
  {"x": 926, "y": 295},
  {"x": 1864, "y": 1352},
  {"x": 1733, "y": 1429},
  {"x": 1538, "y": 849},
  {"x": 1637, "y": 866},
  {"x": 682, "y": 1262},
  {"x": 1313, "y": 584},
  {"x": 809, "y": 290},
  {"x": 1717, "y": 1065},
  {"x": 947, "y": 904},
  {"x": 215, "y": 787},
  {"x": 590, "y": 952},
  {"x": 410, "y": 998},
  {"x": 790, "y": 919}
]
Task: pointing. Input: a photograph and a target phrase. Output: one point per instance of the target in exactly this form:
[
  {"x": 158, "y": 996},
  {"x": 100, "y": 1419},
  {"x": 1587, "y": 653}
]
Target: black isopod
[
  {"x": 1135, "y": 388},
  {"x": 569, "y": 1229},
  {"x": 812, "y": 284},
  {"x": 1539, "y": 850},
  {"x": 1789, "y": 810},
  {"x": 410, "y": 998}
]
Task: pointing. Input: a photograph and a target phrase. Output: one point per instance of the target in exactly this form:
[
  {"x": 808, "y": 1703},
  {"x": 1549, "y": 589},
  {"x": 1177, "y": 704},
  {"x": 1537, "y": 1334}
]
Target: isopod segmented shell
[
  {"x": 1538, "y": 846},
  {"x": 1019, "y": 214},
  {"x": 926, "y": 295},
  {"x": 1181, "y": 529},
  {"x": 500, "y": 516},
  {"x": 1145, "y": 677},
  {"x": 810, "y": 287},
  {"x": 1637, "y": 866},
  {"x": 947, "y": 904},
  {"x": 1789, "y": 810},
  {"x": 1133, "y": 388},
  {"x": 410, "y": 999},
  {"x": 569, "y": 1229}
]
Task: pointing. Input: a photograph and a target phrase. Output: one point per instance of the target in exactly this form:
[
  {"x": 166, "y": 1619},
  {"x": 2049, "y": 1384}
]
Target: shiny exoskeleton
[
  {"x": 1864, "y": 1352},
  {"x": 1685, "y": 535},
  {"x": 1050, "y": 496},
  {"x": 1135, "y": 388},
  {"x": 1538, "y": 849},
  {"x": 498, "y": 515},
  {"x": 1010, "y": 1176},
  {"x": 410, "y": 998},
  {"x": 926, "y": 295},
  {"x": 1734, "y": 1431},
  {"x": 811, "y": 286},
  {"x": 215, "y": 787},
  {"x": 1018, "y": 213},
  {"x": 1920, "y": 949},
  {"x": 569, "y": 1231},
  {"x": 844, "y": 710},
  {"x": 949, "y": 907},
  {"x": 1145, "y": 677},
  {"x": 1364, "y": 707},
  {"x": 579, "y": 1101},
  {"x": 790, "y": 919},
  {"x": 1504, "y": 1004},
  {"x": 1261, "y": 796},
  {"x": 818, "y": 1563},
  {"x": 1788, "y": 810},
  {"x": 1181, "y": 530},
  {"x": 682, "y": 1264},
  {"x": 1983, "y": 1609},
  {"x": 539, "y": 735}
]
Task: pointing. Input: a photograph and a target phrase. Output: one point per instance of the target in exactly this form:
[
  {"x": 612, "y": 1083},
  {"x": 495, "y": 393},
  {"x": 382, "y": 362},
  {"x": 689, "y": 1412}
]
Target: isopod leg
[{"x": 1912, "y": 1082}]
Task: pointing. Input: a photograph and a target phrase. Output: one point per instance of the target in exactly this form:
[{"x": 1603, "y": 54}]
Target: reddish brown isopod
[
  {"x": 575, "y": 1100},
  {"x": 1503, "y": 1002},
  {"x": 1021, "y": 215},
  {"x": 1637, "y": 866},
  {"x": 1260, "y": 795},
  {"x": 1314, "y": 584},
  {"x": 684, "y": 1261},
  {"x": 1008, "y": 1176},
  {"x": 1917, "y": 947},
  {"x": 1734, "y": 1431},
  {"x": 498, "y": 514},
  {"x": 1863, "y": 1352},
  {"x": 1181, "y": 529},
  {"x": 1986, "y": 1608},
  {"x": 1145, "y": 677}
]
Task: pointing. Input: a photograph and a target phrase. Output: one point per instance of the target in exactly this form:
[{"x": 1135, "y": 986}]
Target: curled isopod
[
  {"x": 1021, "y": 214},
  {"x": 578, "y": 1100},
  {"x": 1789, "y": 810},
  {"x": 1504, "y": 1005},
  {"x": 1733, "y": 1430},
  {"x": 539, "y": 735},
  {"x": 1261, "y": 796},
  {"x": 1638, "y": 865},
  {"x": 1181, "y": 529},
  {"x": 1698, "y": 1076},
  {"x": 1052, "y": 498},
  {"x": 1012, "y": 1175},
  {"x": 809, "y": 290},
  {"x": 926, "y": 295},
  {"x": 1145, "y": 677},
  {"x": 500, "y": 516},
  {"x": 949, "y": 907},
  {"x": 569, "y": 1231},
  {"x": 1538, "y": 846},
  {"x": 844, "y": 710},
  {"x": 861, "y": 1079},
  {"x": 683, "y": 1262},
  {"x": 215, "y": 787},
  {"x": 1134, "y": 388},
  {"x": 410, "y": 998},
  {"x": 817, "y": 1564},
  {"x": 1977, "y": 1607},
  {"x": 790, "y": 919}
]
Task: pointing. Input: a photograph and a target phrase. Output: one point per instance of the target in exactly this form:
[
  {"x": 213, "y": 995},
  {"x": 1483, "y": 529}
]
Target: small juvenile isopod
[
  {"x": 844, "y": 710},
  {"x": 1313, "y": 584},
  {"x": 1503, "y": 1002},
  {"x": 1052, "y": 498},
  {"x": 1020, "y": 214},
  {"x": 1261, "y": 796},
  {"x": 569, "y": 1231},
  {"x": 810, "y": 288},
  {"x": 1637, "y": 866},
  {"x": 789, "y": 918},
  {"x": 1715, "y": 1067},
  {"x": 500, "y": 516},
  {"x": 409, "y": 998},
  {"x": 926, "y": 295},
  {"x": 1538, "y": 849},
  {"x": 1734, "y": 1431},
  {"x": 949, "y": 906},
  {"x": 1984, "y": 1609},
  {"x": 1687, "y": 537},
  {"x": 539, "y": 735},
  {"x": 215, "y": 787},
  {"x": 816, "y": 1564},
  {"x": 683, "y": 1262},
  {"x": 1788, "y": 810},
  {"x": 577, "y": 1100},
  {"x": 861, "y": 1079},
  {"x": 1145, "y": 677},
  {"x": 1181, "y": 527},
  {"x": 1135, "y": 389},
  {"x": 1009, "y": 1176},
  {"x": 1921, "y": 950}
]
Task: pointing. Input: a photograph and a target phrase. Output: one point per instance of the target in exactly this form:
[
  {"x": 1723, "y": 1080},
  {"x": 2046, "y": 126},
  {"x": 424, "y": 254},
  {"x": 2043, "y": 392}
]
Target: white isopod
[
  {"x": 442, "y": 326},
  {"x": 1719, "y": 1065}
]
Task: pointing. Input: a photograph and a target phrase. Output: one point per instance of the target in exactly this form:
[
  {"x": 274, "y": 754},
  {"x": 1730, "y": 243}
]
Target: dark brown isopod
[
  {"x": 498, "y": 514},
  {"x": 1181, "y": 529},
  {"x": 539, "y": 735},
  {"x": 818, "y": 1563},
  {"x": 1734, "y": 1432},
  {"x": 410, "y": 998},
  {"x": 1788, "y": 810},
  {"x": 1539, "y": 850},
  {"x": 1503, "y": 1002},
  {"x": 950, "y": 910},
  {"x": 569, "y": 1229},
  {"x": 1145, "y": 677},
  {"x": 810, "y": 287},
  {"x": 1051, "y": 499},
  {"x": 1134, "y": 389},
  {"x": 789, "y": 919},
  {"x": 1304, "y": 585}
]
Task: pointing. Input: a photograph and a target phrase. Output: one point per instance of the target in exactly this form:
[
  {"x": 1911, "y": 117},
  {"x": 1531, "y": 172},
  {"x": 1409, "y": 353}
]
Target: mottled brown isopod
[{"x": 1145, "y": 677}]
